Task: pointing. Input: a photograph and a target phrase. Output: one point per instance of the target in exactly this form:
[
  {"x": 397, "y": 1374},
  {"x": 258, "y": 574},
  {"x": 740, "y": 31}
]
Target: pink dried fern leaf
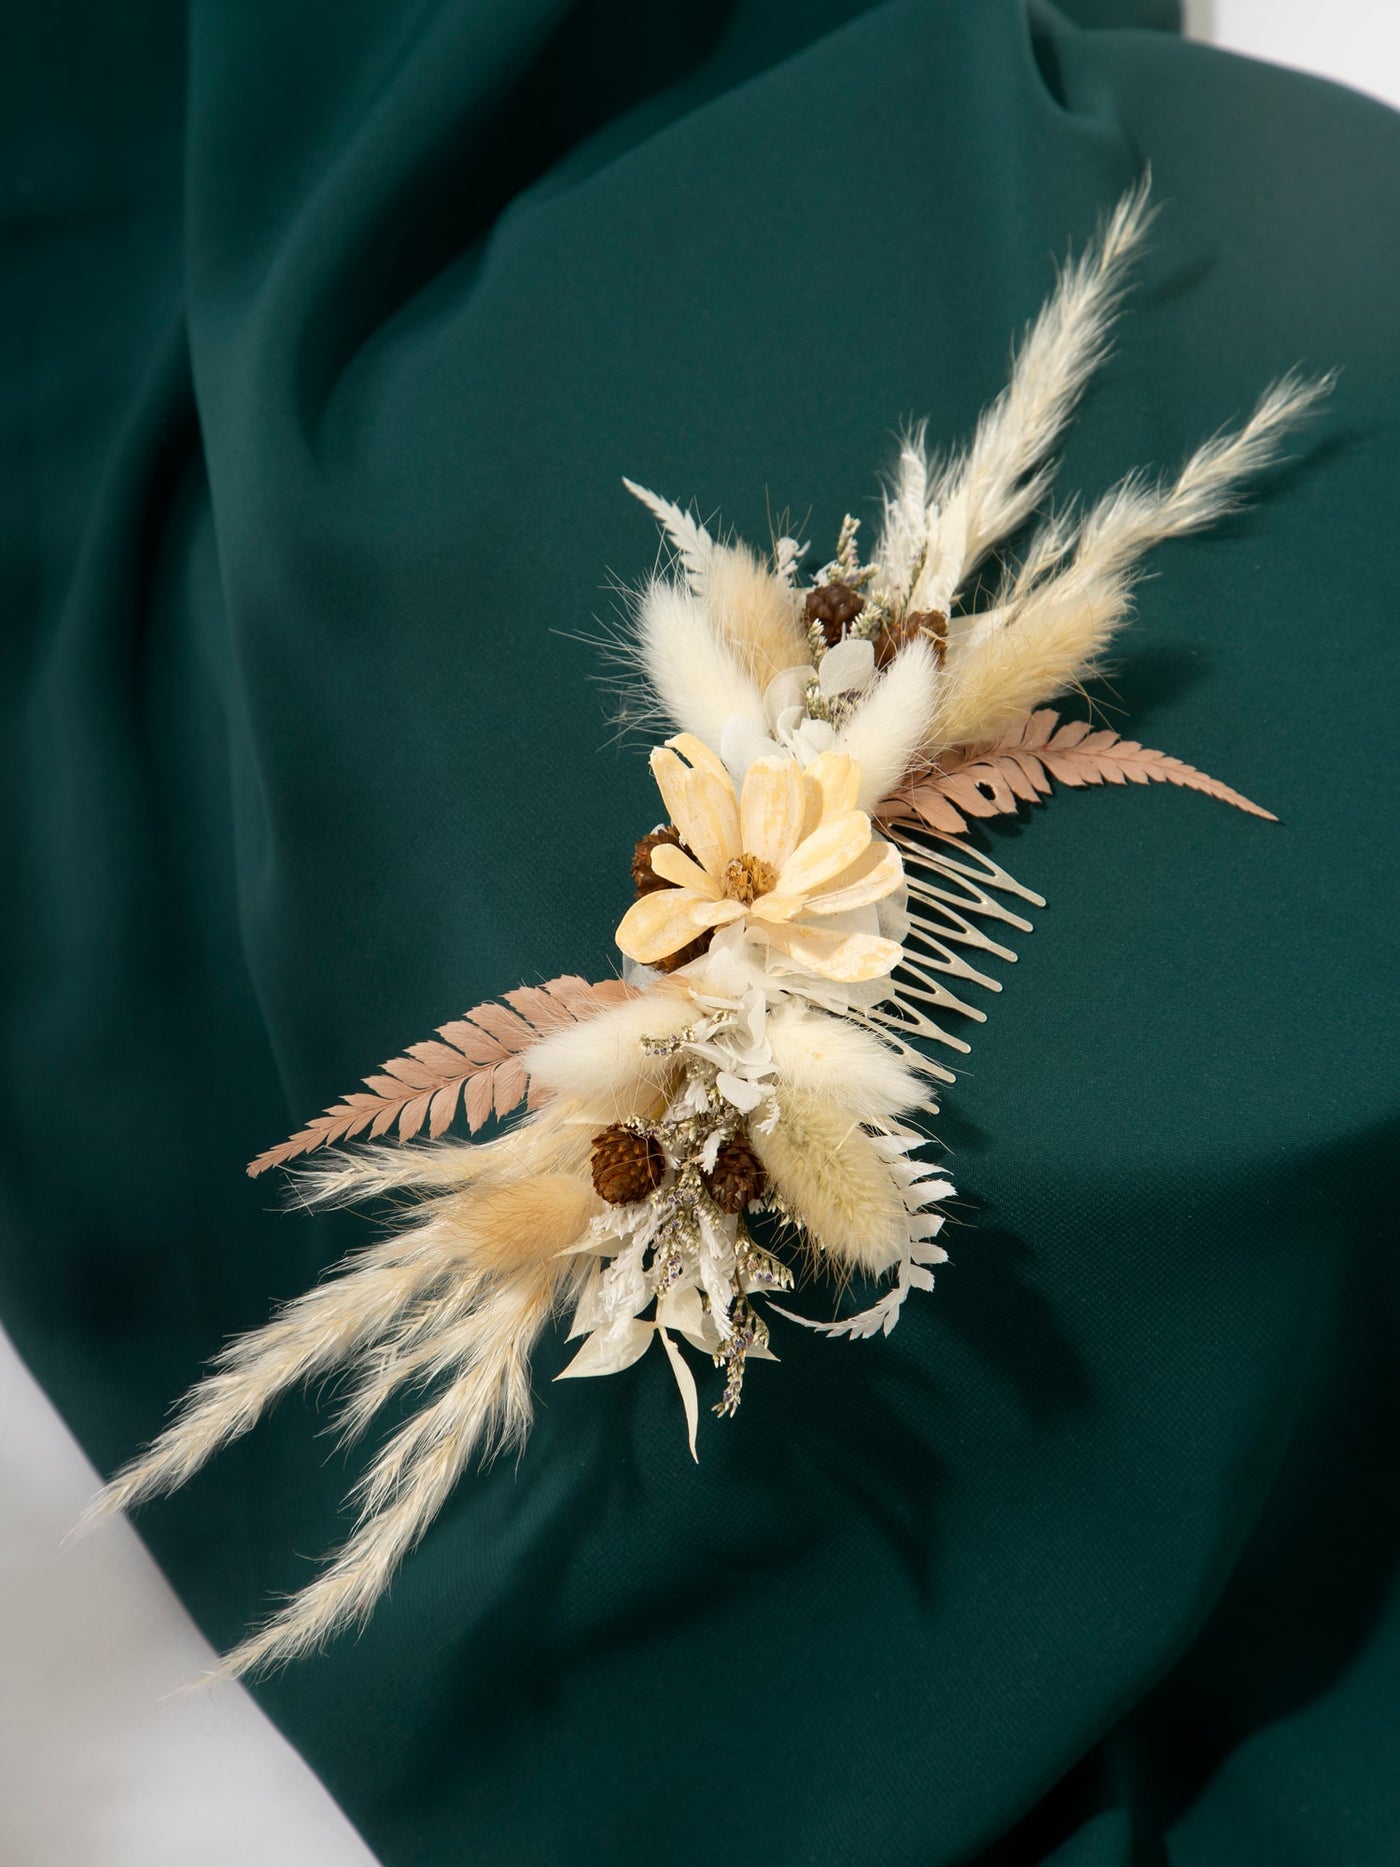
[
  {"x": 474, "y": 1062},
  {"x": 989, "y": 781}
]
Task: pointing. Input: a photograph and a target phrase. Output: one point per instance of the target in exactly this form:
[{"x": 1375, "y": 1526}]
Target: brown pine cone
[
  {"x": 683, "y": 957},
  {"x": 739, "y": 1177},
  {"x": 835, "y": 606},
  {"x": 626, "y": 1165},
  {"x": 932, "y": 624},
  {"x": 644, "y": 876}
]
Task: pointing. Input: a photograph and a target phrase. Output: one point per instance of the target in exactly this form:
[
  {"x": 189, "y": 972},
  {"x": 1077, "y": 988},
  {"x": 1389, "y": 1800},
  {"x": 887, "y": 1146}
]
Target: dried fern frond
[
  {"x": 990, "y": 781},
  {"x": 474, "y": 1061}
]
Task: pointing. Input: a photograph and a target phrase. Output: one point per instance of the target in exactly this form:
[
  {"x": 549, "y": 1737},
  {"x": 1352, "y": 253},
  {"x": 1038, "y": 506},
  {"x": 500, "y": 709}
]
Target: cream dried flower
[{"x": 791, "y": 850}]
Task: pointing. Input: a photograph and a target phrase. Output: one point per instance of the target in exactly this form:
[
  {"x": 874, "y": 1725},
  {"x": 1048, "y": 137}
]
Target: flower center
[{"x": 747, "y": 877}]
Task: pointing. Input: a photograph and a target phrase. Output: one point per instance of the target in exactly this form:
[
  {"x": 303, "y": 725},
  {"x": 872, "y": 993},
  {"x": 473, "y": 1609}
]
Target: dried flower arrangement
[{"x": 806, "y": 912}]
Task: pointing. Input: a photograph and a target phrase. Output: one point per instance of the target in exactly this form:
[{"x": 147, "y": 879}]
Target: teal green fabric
[{"x": 329, "y": 332}]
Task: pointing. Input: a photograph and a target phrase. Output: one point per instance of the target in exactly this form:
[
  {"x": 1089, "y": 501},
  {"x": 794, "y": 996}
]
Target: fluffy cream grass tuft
[
  {"x": 830, "y": 1173},
  {"x": 889, "y": 724},
  {"x": 455, "y": 1302},
  {"x": 602, "y": 1062},
  {"x": 1059, "y": 613},
  {"x": 710, "y": 644},
  {"x": 698, "y": 680},
  {"x": 756, "y": 614},
  {"x": 833, "y": 1060}
]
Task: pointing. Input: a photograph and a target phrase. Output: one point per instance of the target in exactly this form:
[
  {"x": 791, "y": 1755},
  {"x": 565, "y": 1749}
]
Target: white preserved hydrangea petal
[
  {"x": 848, "y": 668},
  {"x": 743, "y": 1094}
]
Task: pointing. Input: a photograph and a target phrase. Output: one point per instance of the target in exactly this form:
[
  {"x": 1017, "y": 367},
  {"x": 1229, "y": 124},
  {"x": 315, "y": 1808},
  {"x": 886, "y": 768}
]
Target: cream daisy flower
[{"x": 789, "y": 853}]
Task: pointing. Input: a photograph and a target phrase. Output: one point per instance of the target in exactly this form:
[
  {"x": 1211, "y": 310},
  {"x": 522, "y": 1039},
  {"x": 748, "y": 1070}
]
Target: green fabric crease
[{"x": 329, "y": 332}]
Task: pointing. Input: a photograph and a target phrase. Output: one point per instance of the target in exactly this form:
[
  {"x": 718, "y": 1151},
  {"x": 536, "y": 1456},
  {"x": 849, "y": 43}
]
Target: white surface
[
  {"x": 98, "y": 1768},
  {"x": 97, "y": 1771},
  {"x": 1357, "y": 42}
]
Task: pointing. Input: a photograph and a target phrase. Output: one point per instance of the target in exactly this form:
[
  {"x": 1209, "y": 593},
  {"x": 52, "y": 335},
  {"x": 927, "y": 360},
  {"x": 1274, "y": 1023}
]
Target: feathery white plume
[
  {"x": 1058, "y": 614},
  {"x": 693, "y": 545},
  {"x": 606, "y": 1065},
  {"x": 694, "y": 673},
  {"x": 904, "y": 536},
  {"x": 890, "y": 722},
  {"x": 820, "y": 1055},
  {"x": 993, "y": 486}
]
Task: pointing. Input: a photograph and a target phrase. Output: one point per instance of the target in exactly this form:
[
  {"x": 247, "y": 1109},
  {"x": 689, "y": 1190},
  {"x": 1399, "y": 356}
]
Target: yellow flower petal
[
  {"x": 719, "y": 913},
  {"x": 702, "y": 806},
  {"x": 713, "y": 815},
  {"x": 848, "y": 957},
  {"x": 778, "y": 907},
  {"x": 872, "y": 876},
  {"x": 823, "y": 855},
  {"x": 695, "y": 752},
  {"x": 661, "y": 923},
  {"x": 832, "y": 784},
  {"x": 675, "y": 866},
  {"x": 773, "y": 808},
  {"x": 672, "y": 781}
]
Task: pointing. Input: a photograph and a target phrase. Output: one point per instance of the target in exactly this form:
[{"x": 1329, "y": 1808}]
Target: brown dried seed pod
[
  {"x": 626, "y": 1165},
  {"x": 683, "y": 955},
  {"x": 738, "y": 1178},
  {"x": 932, "y": 624},
  {"x": 644, "y": 876},
  {"x": 835, "y": 606}
]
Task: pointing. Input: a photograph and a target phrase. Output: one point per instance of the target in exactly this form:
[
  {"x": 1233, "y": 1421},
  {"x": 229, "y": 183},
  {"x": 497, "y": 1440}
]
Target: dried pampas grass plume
[
  {"x": 941, "y": 519},
  {"x": 484, "y": 1407},
  {"x": 994, "y": 486},
  {"x": 456, "y": 1302},
  {"x": 1059, "y": 612}
]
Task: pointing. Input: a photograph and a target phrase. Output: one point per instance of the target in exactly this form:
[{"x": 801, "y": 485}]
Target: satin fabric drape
[{"x": 330, "y": 332}]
